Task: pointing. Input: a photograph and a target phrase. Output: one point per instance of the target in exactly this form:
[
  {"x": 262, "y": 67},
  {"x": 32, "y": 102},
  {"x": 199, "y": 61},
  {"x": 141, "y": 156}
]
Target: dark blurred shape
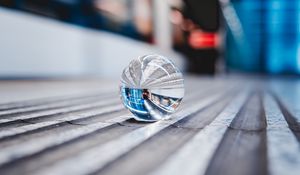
[
  {"x": 204, "y": 13},
  {"x": 201, "y": 23},
  {"x": 65, "y": 10}
]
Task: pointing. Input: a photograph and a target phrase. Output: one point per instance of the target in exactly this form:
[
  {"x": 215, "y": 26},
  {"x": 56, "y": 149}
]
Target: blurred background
[{"x": 79, "y": 38}]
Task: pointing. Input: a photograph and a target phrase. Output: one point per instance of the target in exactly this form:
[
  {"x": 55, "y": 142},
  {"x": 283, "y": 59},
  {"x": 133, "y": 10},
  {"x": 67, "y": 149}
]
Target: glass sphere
[{"x": 151, "y": 87}]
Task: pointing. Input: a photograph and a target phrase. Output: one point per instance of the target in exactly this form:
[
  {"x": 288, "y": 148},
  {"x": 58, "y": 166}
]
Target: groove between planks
[
  {"x": 92, "y": 159},
  {"x": 249, "y": 131},
  {"x": 38, "y": 145},
  {"x": 164, "y": 144},
  {"x": 243, "y": 147}
]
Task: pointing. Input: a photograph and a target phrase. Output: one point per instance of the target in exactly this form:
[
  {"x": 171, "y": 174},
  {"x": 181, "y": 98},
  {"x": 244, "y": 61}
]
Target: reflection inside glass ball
[{"x": 151, "y": 88}]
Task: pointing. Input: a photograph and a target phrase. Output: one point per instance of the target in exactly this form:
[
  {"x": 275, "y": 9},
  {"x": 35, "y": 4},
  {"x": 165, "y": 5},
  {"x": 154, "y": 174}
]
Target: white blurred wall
[{"x": 42, "y": 47}]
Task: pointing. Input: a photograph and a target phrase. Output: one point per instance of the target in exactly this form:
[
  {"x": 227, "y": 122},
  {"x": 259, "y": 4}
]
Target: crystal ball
[{"x": 151, "y": 88}]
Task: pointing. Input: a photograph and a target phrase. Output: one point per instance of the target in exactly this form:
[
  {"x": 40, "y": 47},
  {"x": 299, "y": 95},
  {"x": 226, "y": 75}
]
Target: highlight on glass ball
[{"x": 152, "y": 88}]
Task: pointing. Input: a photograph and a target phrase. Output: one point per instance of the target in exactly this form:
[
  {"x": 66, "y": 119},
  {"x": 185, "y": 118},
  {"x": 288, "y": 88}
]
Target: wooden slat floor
[{"x": 243, "y": 126}]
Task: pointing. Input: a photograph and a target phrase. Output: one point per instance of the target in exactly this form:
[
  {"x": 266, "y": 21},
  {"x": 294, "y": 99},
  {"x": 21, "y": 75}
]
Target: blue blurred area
[
  {"x": 283, "y": 35},
  {"x": 244, "y": 55},
  {"x": 271, "y": 37},
  {"x": 134, "y": 101}
]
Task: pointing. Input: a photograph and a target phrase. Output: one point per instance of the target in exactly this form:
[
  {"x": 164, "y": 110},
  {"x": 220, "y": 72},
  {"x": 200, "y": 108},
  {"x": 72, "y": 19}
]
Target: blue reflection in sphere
[{"x": 151, "y": 87}]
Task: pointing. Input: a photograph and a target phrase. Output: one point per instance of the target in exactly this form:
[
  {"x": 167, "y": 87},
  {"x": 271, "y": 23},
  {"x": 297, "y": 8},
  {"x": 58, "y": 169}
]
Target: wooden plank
[
  {"x": 283, "y": 147},
  {"x": 197, "y": 140},
  {"x": 35, "y": 145},
  {"x": 37, "y": 102},
  {"x": 290, "y": 113},
  {"x": 165, "y": 143},
  {"x": 243, "y": 147},
  {"x": 60, "y": 111},
  {"x": 287, "y": 95},
  {"x": 8, "y": 154},
  {"x": 95, "y": 158},
  {"x": 29, "y": 164},
  {"x": 31, "y": 127},
  {"x": 56, "y": 104},
  {"x": 57, "y": 153},
  {"x": 70, "y": 117},
  {"x": 19, "y": 94},
  {"x": 194, "y": 156}
]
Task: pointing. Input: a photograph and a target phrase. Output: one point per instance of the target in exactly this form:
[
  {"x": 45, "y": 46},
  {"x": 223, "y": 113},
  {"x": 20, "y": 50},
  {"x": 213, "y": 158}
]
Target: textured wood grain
[
  {"x": 46, "y": 105},
  {"x": 283, "y": 147},
  {"x": 225, "y": 125},
  {"x": 194, "y": 156},
  {"x": 165, "y": 143},
  {"x": 243, "y": 148},
  {"x": 94, "y": 158}
]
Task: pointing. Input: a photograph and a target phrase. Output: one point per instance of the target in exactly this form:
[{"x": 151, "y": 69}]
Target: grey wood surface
[{"x": 235, "y": 125}]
